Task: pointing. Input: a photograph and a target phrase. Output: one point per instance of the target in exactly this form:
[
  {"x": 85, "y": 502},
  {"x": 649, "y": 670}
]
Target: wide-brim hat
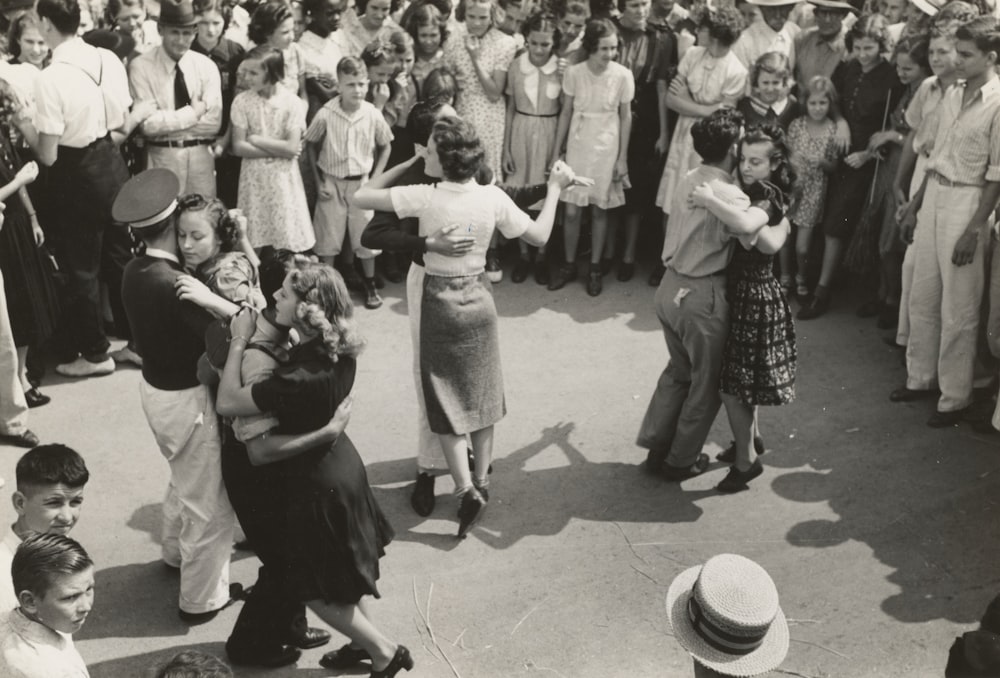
[
  {"x": 773, "y": 3},
  {"x": 725, "y": 613},
  {"x": 929, "y": 7},
  {"x": 835, "y": 4},
  {"x": 178, "y": 13}
]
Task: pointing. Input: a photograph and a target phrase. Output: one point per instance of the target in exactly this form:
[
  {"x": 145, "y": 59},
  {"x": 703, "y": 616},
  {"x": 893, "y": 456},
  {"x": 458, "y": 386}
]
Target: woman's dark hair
[
  {"x": 916, "y": 48},
  {"x": 193, "y": 664},
  {"x": 782, "y": 173},
  {"x": 266, "y": 19},
  {"x": 361, "y": 5},
  {"x": 425, "y": 14},
  {"x": 442, "y": 6},
  {"x": 271, "y": 59},
  {"x": 595, "y": 31},
  {"x": 274, "y": 266},
  {"x": 220, "y": 6},
  {"x": 227, "y": 231},
  {"x": 64, "y": 14},
  {"x": 872, "y": 26},
  {"x": 115, "y": 7},
  {"x": 458, "y": 148},
  {"x": 724, "y": 24},
  {"x": 439, "y": 84},
  {"x": 17, "y": 28},
  {"x": 713, "y": 136},
  {"x": 540, "y": 22}
]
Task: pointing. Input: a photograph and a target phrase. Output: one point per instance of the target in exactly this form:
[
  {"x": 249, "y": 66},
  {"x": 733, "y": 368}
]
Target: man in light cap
[{"x": 169, "y": 333}]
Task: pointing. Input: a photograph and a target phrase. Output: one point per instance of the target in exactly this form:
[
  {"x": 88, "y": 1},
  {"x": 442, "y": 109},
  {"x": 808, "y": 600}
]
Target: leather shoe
[
  {"x": 626, "y": 270},
  {"x": 282, "y": 656},
  {"x": 36, "y": 398},
  {"x": 656, "y": 275},
  {"x": 470, "y": 511},
  {"x": 728, "y": 455},
  {"x": 737, "y": 481},
  {"x": 313, "y": 637},
  {"x": 541, "y": 271},
  {"x": 344, "y": 657},
  {"x": 563, "y": 275},
  {"x": 679, "y": 473},
  {"x": 594, "y": 283},
  {"x": 26, "y": 439},
  {"x": 422, "y": 498},
  {"x": 520, "y": 272},
  {"x": 906, "y": 395},
  {"x": 814, "y": 309},
  {"x": 400, "y": 660},
  {"x": 945, "y": 419}
]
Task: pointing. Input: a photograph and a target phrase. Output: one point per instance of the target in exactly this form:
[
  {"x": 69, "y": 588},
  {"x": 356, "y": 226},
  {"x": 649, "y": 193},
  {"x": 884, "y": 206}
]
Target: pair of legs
[
  {"x": 456, "y": 454},
  {"x": 743, "y": 422},
  {"x": 631, "y": 220},
  {"x": 803, "y": 241},
  {"x": 354, "y": 621},
  {"x": 571, "y": 232}
]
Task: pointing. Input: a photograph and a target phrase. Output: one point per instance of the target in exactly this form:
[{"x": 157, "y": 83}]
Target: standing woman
[
  {"x": 868, "y": 87},
  {"x": 368, "y": 21},
  {"x": 272, "y": 24},
  {"x": 336, "y": 532},
  {"x": 26, "y": 44}
]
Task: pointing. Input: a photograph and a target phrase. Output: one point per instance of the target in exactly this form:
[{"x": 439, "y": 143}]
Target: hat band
[
  {"x": 718, "y": 638},
  {"x": 156, "y": 218}
]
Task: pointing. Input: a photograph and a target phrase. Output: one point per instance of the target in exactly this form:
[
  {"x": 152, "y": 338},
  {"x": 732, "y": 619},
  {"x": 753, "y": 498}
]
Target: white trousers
[
  {"x": 430, "y": 458},
  {"x": 197, "y": 517},
  {"x": 903, "y": 326},
  {"x": 945, "y": 300},
  {"x": 194, "y": 167},
  {"x": 13, "y": 407}
]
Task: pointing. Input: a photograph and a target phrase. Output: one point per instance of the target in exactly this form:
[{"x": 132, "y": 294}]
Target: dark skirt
[
  {"x": 31, "y": 293},
  {"x": 336, "y": 530},
  {"x": 758, "y": 361},
  {"x": 460, "y": 354},
  {"x": 846, "y": 196}
]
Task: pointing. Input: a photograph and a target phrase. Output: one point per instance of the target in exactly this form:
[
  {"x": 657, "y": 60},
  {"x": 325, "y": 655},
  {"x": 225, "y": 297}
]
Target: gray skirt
[{"x": 460, "y": 354}]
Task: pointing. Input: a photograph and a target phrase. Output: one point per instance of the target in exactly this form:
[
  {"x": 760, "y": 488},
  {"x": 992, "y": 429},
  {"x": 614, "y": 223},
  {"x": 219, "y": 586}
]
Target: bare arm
[
  {"x": 562, "y": 127},
  {"x": 770, "y": 239},
  {"x": 679, "y": 100},
  {"x": 243, "y": 148},
  {"x": 541, "y": 228},
  {"x": 268, "y": 448},
  {"x": 375, "y": 194}
]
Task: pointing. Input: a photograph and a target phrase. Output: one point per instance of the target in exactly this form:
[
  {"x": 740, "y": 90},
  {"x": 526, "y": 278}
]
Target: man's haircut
[
  {"x": 52, "y": 464},
  {"x": 715, "y": 135},
  {"x": 64, "y": 14},
  {"x": 193, "y": 664},
  {"x": 983, "y": 32},
  {"x": 421, "y": 120},
  {"x": 351, "y": 66},
  {"x": 40, "y": 558}
]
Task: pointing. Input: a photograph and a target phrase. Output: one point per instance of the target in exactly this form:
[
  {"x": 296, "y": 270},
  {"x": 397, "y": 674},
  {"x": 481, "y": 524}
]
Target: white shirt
[
  {"x": 70, "y": 103},
  {"x": 151, "y": 76},
  {"x": 8, "y": 599},
  {"x": 31, "y": 650},
  {"x": 758, "y": 39},
  {"x": 320, "y": 56}
]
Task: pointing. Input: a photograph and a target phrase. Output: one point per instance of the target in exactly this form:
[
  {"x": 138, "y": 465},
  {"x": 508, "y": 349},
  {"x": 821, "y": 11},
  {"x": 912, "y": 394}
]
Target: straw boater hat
[
  {"x": 929, "y": 7},
  {"x": 725, "y": 613}
]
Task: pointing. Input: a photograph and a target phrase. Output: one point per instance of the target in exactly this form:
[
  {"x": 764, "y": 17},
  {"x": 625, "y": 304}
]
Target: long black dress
[
  {"x": 335, "y": 529},
  {"x": 31, "y": 293}
]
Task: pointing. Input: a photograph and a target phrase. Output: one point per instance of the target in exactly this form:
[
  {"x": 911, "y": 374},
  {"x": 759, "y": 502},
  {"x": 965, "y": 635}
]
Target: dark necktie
[{"x": 181, "y": 96}]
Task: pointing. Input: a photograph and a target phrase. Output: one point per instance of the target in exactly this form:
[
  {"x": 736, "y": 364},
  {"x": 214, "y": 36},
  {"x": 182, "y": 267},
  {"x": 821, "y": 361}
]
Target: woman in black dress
[{"x": 335, "y": 529}]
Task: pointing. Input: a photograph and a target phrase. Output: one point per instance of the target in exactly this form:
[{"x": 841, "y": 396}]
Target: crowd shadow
[
  {"x": 541, "y": 502},
  {"x": 138, "y": 600}
]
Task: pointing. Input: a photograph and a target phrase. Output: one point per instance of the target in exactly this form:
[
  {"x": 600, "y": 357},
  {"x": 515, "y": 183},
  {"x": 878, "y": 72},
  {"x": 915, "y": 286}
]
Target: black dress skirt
[{"x": 335, "y": 530}]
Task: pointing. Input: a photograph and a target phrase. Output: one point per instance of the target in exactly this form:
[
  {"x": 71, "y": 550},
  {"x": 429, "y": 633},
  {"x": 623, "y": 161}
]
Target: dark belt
[
  {"x": 945, "y": 181},
  {"x": 76, "y": 153},
  {"x": 183, "y": 143},
  {"x": 353, "y": 177},
  {"x": 535, "y": 115}
]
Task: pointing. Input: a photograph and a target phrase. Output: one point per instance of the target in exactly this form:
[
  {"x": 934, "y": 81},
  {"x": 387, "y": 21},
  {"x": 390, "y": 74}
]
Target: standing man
[
  {"x": 187, "y": 90},
  {"x": 774, "y": 34},
  {"x": 820, "y": 48},
  {"x": 81, "y": 97},
  {"x": 198, "y": 520}
]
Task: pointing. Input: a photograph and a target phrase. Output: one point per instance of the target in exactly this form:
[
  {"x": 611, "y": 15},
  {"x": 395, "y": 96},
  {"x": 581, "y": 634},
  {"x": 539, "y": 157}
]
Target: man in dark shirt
[{"x": 198, "y": 520}]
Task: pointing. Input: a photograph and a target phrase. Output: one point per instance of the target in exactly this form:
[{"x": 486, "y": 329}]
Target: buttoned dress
[{"x": 535, "y": 91}]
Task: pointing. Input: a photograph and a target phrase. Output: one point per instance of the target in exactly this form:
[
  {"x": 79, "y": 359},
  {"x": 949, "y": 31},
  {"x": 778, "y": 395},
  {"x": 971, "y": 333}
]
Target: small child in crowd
[
  {"x": 770, "y": 99},
  {"x": 193, "y": 664},
  {"x": 48, "y": 499},
  {"x": 348, "y": 141},
  {"x": 54, "y": 580}
]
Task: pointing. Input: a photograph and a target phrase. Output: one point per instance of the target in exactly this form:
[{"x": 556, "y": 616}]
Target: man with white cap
[
  {"x": 773, "y": 34},
  {"x": 198, "y": 520}
]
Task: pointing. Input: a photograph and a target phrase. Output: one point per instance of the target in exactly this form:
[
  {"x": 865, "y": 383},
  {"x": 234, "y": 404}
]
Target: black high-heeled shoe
[
  {"x": 400, "y": 660},
  {"x": 36, "y": 398}
]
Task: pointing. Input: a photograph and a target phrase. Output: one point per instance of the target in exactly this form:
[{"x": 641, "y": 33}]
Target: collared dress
[{"x": 536, "y": 93}]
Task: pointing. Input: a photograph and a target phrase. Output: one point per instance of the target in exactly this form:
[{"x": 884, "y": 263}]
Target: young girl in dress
[
  {"x": 812, "y": 142},
  {"x": 272, "y": 24},
  {"x": 708, "y": 78},
  {"x": 758, "y": 363},
  {"x": 429, "y": 31},
  {"x": 268, "y": 122},
  {"x": 594, "y": 128},
  {"x": 478, "y": 55},
  {"x": 534, "y": 86}
]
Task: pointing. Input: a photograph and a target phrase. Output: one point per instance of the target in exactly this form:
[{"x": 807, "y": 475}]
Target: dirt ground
[{"x": 880, "y": 533}]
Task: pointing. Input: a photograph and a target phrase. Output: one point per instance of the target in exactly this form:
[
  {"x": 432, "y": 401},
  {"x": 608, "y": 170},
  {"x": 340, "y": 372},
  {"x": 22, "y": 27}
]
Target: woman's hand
[
  {"x": 842, "y": 137},
  {"x": 880, "y": 139},
  {"x": 27, "y": 174},
  {"x": 857, "y": 159},
  {"x": 473, "y": 46},
  {"x": 191, "y": 289},
  {"x": 508, "y": 163},
  {"x": 335, "y": 427},
  {"x": 662, "y": 144},
  {"x": 241, "y": 325},
  {"x": 700, "y": 195},
  {"x": 620, "y": 170},
  {"x": 36, "y": 231},
  {"x": 380, "y": 96},
  {"x": 241, "y": 222}
]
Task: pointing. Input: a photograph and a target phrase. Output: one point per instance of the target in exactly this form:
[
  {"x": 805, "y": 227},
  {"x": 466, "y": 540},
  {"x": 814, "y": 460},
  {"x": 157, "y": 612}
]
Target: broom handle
[{"x": 878, "y": 158}]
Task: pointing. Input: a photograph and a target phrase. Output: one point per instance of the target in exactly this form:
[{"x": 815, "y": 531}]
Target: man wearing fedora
[
  {"x": 820, "y": 48},
  {"x": 772, "y": 34},
  {"x": 81, "y": 97},
  {"x": 187, "y": 90},
  {"x": 198, "y": 519}
]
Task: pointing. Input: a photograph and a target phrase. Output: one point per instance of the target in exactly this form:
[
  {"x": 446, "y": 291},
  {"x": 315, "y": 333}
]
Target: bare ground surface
[{"x": 880, "y": 533}]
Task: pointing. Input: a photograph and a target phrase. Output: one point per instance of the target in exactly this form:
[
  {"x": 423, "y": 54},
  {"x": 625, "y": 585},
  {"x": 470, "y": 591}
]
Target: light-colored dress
[
  {"x": 535, "y": 92},
  {"x": 271, "y": 193},
  {"x": 295, "y": 64},
  {"x": 422, "y": 68},
  {"x": 594, "y": 132},
  {"x": 353, "y": 37},
  {"x": 710, "y": 80},
  {"x": 807, "y": 153},
  {"x": 488, "y": 117}
]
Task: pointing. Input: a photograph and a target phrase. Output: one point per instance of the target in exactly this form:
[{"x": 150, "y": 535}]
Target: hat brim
[
  {"x": 184, "y": 23},
  {"x": 765, "y": 658},
  {"x": 834, "y": 4},
  {"x": 925, "y": 7},
  {"x": 773, "y": 3}
]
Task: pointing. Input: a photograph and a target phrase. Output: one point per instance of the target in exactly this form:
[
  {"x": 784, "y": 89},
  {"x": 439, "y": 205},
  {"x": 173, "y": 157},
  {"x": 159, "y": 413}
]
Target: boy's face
[
  {"x": 353, "y": 88},
  {"x": 972, "y": 62},
  {"x": 210, "y": 25},
  {"x": 771, "y": 87},
  {"x": 52, "y": 509},
  {"x": 941, "y": 55},
  {"x": 65, "y": 605}
]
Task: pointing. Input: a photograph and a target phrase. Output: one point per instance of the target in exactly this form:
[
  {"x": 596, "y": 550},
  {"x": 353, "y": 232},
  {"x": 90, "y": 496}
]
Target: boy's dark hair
[
  {"x": 351, "y": 66},
  {"x": 64, "y": 14},
  {"x": 715, "y": 135},
  {"x": 52, "y": 464},
  {"x": 594, "y": 32},
  {"x": 274, "y": 266},
  {"x": 983, "y": 32},
  {"x": 439, "y": 84},
  {"x": 271, "y": 58},
  {"x": 42, "y": 557},
  {"x": 193, "y": 664},
  {"x": 421, "y": 120},
  {"x": 724, "y": 24},
  {"x": 266, "y": 19},
  {"x": 115, "y": 7},
  {"x": 458, "y": 148}
]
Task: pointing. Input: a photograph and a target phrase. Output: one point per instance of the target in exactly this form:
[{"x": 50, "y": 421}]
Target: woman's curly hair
[
  {"x": 724, "y": 24},
  {"x": 227, "y": 231},
  {"x": 266, "y": 19},
  {"x": 325, "y": 308},
  {"x": 458, "y": 148},
  {"x": 874, "y": 27}
]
